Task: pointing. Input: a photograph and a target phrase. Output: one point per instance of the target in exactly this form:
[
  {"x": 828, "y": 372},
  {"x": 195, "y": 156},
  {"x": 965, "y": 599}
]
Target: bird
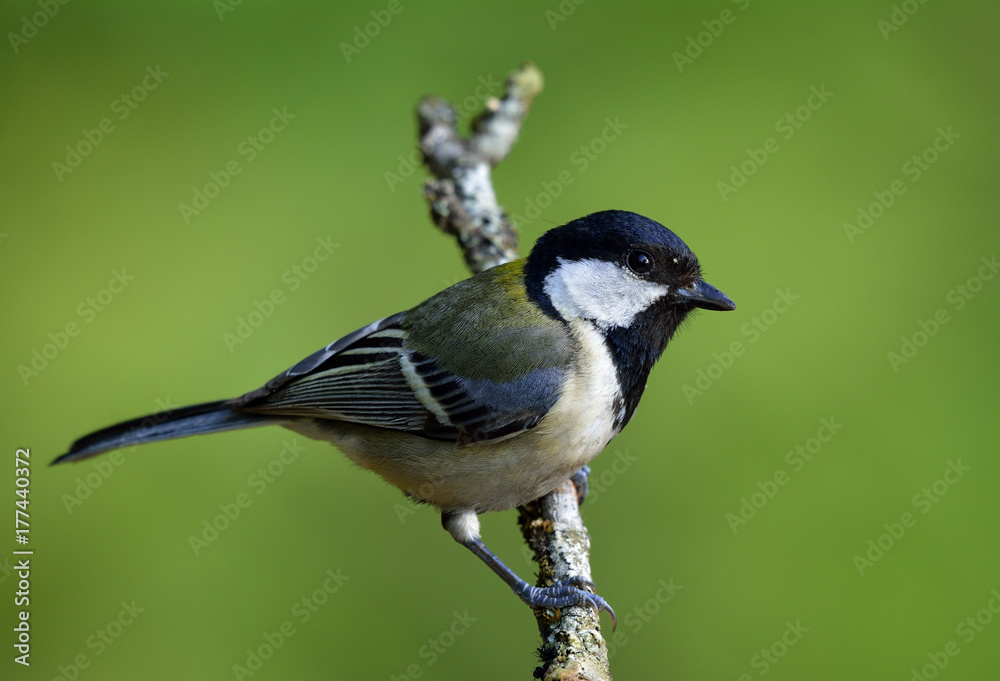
[{"x": 491, "y": 393}]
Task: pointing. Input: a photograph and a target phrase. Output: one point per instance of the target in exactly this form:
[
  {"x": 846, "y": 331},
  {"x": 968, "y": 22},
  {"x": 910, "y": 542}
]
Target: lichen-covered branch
[
  {"x": 461, "y": 196},
  {"x": 572, "y": 645},
  {"x": 463, "y": 203}
]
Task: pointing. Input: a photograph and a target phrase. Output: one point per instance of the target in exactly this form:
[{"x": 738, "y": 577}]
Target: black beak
[{"x": 705, "y": 296}]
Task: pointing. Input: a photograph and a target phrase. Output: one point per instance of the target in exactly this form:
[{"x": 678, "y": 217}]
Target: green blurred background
[{"x": 625, "y": 123}]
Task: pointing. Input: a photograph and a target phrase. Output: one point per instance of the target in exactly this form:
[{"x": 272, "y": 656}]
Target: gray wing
[{"x": 371, "y": 377}]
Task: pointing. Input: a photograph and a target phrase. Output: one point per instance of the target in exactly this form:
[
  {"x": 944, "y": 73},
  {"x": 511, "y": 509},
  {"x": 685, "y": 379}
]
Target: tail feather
[{"x": 198, "y": 419}]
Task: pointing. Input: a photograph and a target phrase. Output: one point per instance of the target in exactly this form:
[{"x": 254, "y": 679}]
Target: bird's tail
[{"x": 198, "y": 419}]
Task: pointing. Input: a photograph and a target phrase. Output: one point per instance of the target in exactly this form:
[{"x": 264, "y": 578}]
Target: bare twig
[{"x": 463, "y": 203}]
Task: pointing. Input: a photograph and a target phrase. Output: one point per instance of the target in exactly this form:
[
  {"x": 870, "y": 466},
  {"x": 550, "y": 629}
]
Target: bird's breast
[
  {"x": 577, "y": 428},
  {"x": 585, "y": 416}
]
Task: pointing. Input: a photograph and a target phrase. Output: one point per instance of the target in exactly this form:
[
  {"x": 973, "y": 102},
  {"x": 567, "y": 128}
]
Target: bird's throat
[{"x": 636, "y": 348}]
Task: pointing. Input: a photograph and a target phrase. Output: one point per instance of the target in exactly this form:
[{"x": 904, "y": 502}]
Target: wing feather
[{"x": 374, "y": 377}]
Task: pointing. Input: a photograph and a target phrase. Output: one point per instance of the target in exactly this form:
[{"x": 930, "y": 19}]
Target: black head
[
  {"x": 610, "y": 266},
  {"x": 630, "y": 276}
]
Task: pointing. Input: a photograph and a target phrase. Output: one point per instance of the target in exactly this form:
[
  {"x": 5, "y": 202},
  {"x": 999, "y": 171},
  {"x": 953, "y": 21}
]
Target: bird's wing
[{"x": 387, "y": 374}]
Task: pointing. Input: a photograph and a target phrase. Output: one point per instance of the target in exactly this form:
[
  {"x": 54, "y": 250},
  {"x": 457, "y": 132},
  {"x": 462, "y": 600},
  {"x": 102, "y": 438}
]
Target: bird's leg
[
  {"x": 464, "y": 527},
  {"x": 579, "y": 480}
]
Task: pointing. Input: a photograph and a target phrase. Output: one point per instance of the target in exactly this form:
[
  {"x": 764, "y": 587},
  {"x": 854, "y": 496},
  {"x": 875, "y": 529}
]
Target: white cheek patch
[{"x": 600, "y": 291}]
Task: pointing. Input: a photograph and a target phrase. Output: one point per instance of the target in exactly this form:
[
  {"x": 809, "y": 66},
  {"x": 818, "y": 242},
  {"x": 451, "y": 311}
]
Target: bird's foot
[{"x": 566, "y": 593}]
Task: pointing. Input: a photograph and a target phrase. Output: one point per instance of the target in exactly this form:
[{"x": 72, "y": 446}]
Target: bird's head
[{"x": 615, "y": 268}]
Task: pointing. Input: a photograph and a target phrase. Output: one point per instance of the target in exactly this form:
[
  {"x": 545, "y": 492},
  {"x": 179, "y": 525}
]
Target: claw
[
  {"x": 597, "y": 604},
  {"x": 575, "y": 590}
]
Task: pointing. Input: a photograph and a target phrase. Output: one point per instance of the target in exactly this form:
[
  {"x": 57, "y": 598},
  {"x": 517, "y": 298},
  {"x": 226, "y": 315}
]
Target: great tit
[{"x": 491, "y": 393}]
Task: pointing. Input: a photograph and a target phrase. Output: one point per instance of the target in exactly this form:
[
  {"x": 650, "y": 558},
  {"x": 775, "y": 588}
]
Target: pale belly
[{"x": 495, "y": 475}]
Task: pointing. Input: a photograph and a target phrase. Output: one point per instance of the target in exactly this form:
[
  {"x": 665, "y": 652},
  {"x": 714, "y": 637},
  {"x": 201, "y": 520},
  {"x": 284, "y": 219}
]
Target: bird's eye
[{"x": 639, "y": 262}]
